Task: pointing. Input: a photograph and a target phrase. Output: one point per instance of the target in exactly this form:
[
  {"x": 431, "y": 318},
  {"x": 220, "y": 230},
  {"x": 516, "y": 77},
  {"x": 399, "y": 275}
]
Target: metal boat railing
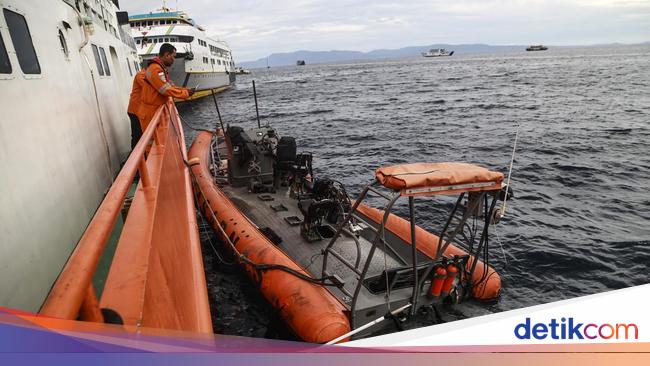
[
  {"x": 156, "y": 276},
  {"x": 391, "y": 197}
]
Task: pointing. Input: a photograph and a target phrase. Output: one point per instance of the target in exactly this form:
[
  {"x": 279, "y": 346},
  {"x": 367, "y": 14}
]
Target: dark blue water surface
[{"x": 580, "y": 222}]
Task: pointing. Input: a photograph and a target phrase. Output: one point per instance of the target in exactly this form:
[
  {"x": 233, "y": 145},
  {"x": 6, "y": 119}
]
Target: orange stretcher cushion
[{"x": 438, "y": 177}]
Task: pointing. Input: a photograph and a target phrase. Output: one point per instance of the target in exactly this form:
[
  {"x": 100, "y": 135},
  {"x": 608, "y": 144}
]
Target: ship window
[
  {"x": 128, "y": 64},
  {"x": 135, "y": 66},
  {"x": 105, "y": 61},
  {"x": 64, "y": 44},
  {"x": 5, "y": 65},
  {"x": 149, "y": 22},
  {"x": 166, "y": 39},
  {"x": 100, "y": 69},
  {"x": 22, "y": 41}
]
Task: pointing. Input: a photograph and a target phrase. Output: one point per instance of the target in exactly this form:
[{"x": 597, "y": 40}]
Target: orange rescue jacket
[
  {"x": 136, "y": 93},
  {"x": 156, "y": 90}
]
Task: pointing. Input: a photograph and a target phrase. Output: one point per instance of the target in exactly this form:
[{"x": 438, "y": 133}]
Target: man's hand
[{"x": 191, "y": 91}]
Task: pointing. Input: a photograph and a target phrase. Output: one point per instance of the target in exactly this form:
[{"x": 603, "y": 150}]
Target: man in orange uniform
[
  {"x": 158, "y": 87},
  {"x": 134, "y": 106}
]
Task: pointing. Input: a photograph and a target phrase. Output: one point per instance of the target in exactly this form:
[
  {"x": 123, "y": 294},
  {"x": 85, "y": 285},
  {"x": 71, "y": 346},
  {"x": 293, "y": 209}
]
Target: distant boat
[
  {"x": 536, "y": 48},
  {"x": 241, "y": 71},
  {"x": 437, "y": 52},
  {"x": 300, "y": 63}
]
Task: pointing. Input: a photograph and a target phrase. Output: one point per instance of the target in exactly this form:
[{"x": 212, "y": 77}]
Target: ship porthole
[{"x": 64, "y": 44}]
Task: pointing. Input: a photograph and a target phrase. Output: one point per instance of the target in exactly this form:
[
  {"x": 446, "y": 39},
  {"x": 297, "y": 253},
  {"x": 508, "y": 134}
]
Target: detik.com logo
[{"x": 568, "y": 328}]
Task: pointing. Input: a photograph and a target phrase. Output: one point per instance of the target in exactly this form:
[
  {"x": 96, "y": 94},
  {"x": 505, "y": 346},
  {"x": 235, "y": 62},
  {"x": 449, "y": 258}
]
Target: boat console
[{"x": 252, "y": 157}]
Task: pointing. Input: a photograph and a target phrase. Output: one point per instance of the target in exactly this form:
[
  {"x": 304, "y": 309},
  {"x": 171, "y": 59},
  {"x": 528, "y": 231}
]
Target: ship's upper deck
[
  {"x": 170, "y": 26},
  {"x": 162, "y": 18}
]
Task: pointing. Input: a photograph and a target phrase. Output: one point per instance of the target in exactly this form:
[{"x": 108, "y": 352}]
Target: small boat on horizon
[
  {"x": 241, "y": 71},
  {"x": 437, "y": 52},
  {"x": 537, "y": 48},
  {"x": 300, "y": 63}
]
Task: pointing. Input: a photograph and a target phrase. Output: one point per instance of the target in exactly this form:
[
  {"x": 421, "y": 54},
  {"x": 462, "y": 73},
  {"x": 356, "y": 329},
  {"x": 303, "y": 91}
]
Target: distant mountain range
[
  {"x": 313, "y": 57},
  {"x": 316, "y": 57}
]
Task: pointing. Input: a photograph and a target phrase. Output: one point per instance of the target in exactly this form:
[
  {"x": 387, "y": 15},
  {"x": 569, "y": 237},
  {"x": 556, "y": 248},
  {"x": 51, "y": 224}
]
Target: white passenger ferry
[{"x": 202, "y": 62}]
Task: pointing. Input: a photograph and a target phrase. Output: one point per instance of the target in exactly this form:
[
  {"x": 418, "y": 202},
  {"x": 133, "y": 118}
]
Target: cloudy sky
[{"x": 257, "y": 28}]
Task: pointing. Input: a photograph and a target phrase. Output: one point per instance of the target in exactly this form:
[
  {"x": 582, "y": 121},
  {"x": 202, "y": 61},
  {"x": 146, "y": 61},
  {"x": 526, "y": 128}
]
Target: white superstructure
[
  {"x": 201, "y": 60},
  {"x": 66, "y": 68}
]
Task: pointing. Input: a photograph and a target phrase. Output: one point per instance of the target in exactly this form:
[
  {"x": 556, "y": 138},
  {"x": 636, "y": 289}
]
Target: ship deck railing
[{"x": 156, "y": 277}]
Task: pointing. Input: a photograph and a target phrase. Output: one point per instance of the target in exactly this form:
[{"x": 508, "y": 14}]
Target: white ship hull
[
  {"x": 63, "y": 135},
  {"x": 205, "y": 80}
]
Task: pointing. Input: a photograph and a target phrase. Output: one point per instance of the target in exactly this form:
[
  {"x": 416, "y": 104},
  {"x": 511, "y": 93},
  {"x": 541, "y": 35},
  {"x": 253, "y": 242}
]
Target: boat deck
[{"x": 309, "y": 255}]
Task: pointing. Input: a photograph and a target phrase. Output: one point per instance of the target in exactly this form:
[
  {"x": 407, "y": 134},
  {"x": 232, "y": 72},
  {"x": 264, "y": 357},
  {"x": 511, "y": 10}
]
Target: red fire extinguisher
[
  {"x": 438, "y": 281},
  {"x": 452, "y": 272}
]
